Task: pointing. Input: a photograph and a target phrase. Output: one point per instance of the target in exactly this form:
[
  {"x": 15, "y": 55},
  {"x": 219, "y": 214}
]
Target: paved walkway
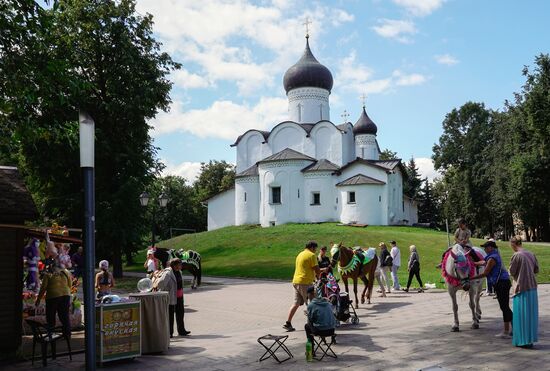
[{"x": 407, "y": 331}]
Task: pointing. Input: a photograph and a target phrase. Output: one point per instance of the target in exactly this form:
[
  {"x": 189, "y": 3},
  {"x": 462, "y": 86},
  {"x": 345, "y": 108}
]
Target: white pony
[{"x": 458, "y": 268}]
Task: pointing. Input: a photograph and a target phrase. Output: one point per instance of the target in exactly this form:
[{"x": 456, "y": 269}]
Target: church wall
[
  {"x": 348, "y": 146},
  {"x": 326, "y": 140},
  {"x": 323, "y": 183},
  {"x": 288, "y": 136},
  {"x": 251, "y": 150},
  {"x": 221, "y": 210},
  {"x": 288, "y": 176},
  {"x": 308, "y": 105},
  {"x": 411, "y": 211},
  {"x": 372, "y": 171},
  {"x": 366, "y": 147},
  {"x": 368, "y": 205},
  {"x": 395, "y": 198},
  {"x": 247, "y": 200}
]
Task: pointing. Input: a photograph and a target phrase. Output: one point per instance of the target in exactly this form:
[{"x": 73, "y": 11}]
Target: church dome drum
[
  {"x": 364, "y": 125},
  {"x": 307, "y": 72}
]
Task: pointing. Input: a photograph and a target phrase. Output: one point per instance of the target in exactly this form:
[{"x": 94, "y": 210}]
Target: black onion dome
[
  {"x": 307, "y": 72},
  {"x": 364, "y": 125}
]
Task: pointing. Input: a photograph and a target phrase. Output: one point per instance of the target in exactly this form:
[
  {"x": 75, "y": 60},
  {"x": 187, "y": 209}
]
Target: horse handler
[
  {"x": 307, "y": 268},
  {"x": 500, "y": 279}
]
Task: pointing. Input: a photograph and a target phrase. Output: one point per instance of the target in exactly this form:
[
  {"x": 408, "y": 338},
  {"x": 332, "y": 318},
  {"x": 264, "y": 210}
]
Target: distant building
[{"x": 308, "y": 169}]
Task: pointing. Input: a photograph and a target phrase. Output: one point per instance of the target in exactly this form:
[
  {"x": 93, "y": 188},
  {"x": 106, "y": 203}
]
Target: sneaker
[
  {"x": 185, "y": 333},
  {"x": 288, "y": 326},
  {"x": 420, "y": 291},
  {"x": 406, "y": 290}
]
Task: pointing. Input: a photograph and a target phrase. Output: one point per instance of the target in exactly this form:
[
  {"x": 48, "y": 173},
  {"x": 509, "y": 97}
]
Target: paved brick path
[{"x": 403, "y": 331}]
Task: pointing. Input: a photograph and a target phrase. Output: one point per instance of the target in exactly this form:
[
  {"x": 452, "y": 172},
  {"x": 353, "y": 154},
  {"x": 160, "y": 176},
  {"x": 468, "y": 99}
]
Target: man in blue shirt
[{"x": 320, "y": 318}]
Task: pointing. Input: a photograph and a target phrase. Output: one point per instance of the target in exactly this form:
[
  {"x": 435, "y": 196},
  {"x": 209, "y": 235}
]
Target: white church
[{"x": 310, "y": 170}]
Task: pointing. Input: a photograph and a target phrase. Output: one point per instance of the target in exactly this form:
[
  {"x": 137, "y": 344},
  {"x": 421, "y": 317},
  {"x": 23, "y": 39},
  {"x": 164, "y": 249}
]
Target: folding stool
[
  {"x": 325, "y": 347},
  {"x": 277, "y": 342}
]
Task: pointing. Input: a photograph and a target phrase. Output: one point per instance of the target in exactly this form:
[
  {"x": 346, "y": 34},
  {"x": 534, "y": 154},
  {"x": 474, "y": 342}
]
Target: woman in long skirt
[{"x": 523, "y": 268}]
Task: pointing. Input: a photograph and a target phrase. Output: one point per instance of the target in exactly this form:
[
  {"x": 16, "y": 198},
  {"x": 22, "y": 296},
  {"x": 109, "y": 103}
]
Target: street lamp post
[
  {"x": 144, "y": 201},
  {"x": 87, "y": 154}
]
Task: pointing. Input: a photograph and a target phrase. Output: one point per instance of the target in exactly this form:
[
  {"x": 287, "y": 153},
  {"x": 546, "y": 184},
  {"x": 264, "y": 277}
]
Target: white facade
[
  {"x": 308, "y": 105},
  {"x": 309, "y": 170},
  {"x": 221, "y": 210}
]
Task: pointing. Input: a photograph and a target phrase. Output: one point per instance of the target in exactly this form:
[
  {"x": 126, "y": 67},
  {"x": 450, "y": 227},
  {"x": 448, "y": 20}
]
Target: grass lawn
[{"x": 252, "y": 251}]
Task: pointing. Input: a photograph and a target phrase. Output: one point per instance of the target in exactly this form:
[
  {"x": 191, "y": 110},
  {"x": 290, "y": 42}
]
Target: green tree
[
  {"x": 463, "y": 157},
  {"x": 99, "y": 56},
  {"x": 387, "y": 154},
  {"x": 412, "y": 183},
  {"x": 428, "y": 204},
  {"x": 529, "y": 117}
]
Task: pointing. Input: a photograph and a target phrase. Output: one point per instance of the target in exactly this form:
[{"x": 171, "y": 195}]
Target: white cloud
[
  {"x": 188, "y": 80},
  {"x": 355, "y": 76},
  {"x": 211, "y": 35},
  {"x": 426, "y": 168},
  {"x": 420, "y": 8},
  {"x": 402, "y": 79},
  {"x": 187, "y": 170},
  {"x": 223, "y": 119},
  {"x": 446, "y": 59},
  {"x": 396, "y": 29}
]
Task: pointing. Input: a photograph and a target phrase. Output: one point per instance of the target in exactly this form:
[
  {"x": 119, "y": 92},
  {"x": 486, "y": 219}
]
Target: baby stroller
[{"x": 340, "y": 301}]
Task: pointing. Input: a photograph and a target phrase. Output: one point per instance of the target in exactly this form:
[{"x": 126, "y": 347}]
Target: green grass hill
[{"x": 253, "y": 251}]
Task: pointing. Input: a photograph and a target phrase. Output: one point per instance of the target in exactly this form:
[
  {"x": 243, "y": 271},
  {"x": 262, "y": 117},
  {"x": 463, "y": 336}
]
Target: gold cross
[
  {"x": 363, "y": 99},
  {"x": 345, "y": 116},
  {"x": 307, "y": 23}
]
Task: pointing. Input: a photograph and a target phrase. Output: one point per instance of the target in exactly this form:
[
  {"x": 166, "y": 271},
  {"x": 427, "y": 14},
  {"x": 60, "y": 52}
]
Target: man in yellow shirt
[{"x": 307, "y": 268}]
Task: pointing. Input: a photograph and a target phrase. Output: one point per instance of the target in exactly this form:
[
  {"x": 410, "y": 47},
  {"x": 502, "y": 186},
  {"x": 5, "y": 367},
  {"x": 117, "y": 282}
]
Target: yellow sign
[{"x": 120, "y": 334}]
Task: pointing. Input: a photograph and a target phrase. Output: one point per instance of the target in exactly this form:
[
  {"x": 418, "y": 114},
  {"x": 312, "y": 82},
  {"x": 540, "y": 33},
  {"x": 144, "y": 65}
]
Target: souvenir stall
[{"x": 36, "y": 260}]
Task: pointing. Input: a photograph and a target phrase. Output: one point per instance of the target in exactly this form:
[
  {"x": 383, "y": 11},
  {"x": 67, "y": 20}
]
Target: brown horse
[{"x": 350, "y": 266}]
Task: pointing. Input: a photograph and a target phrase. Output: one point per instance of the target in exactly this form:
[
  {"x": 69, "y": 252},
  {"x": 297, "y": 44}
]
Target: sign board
[{"x": 120, "y": 331}]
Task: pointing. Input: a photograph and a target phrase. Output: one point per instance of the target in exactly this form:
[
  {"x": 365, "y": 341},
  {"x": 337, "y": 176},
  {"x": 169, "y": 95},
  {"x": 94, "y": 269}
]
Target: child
[{"x": 151, "y": 263}]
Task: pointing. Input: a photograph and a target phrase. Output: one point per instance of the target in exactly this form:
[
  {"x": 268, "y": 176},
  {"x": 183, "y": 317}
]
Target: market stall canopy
[{"x": 16, "y": 203}]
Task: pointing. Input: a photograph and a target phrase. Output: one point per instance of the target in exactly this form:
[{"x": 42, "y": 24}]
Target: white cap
[{"x": 104, "y": 264}]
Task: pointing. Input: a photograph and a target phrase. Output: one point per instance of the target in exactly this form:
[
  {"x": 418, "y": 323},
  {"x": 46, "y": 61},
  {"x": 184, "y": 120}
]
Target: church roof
[
  {"x": 287, "y": 154},
  {"x": 307, "y": 72},
  {"x": 16, "y": 203},
  {"x": 360, "y": 179},
  {"x": 306, "y": 127},
  {"x": 321, "y": 165},
  {"x": 265, "y": 134},
  {"x": 386, "y": 165},
  {"x": 364, "y": 125},
  {"x": 251, "y": 171}
]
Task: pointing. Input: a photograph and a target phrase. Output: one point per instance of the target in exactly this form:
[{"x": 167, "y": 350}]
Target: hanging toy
[{"x": 31, "y": 254}]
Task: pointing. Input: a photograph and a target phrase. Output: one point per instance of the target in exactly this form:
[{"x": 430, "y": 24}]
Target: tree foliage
[
  {"x": 496, "y": 165},
  {"x": 98, "y": 56}
]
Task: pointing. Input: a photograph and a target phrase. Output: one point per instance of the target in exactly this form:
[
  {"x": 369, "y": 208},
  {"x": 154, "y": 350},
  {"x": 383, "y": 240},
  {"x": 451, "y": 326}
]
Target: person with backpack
[{"x": 386, "y": 261}]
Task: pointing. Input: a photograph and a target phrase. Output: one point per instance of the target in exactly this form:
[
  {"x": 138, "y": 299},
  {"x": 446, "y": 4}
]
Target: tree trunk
[{"x": 117, "y": 265}]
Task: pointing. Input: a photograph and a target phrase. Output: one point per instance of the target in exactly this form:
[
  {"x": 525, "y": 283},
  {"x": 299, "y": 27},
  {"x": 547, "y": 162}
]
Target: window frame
[
  {"x": 315, "y": 194},
  {"x": 350, "y": 193},
  {"x": 272, "y": 194}
]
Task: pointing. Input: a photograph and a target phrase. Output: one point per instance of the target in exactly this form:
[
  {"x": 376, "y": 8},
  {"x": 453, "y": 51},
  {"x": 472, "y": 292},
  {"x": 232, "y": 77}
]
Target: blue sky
[{"x": 414, "y": 59}]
